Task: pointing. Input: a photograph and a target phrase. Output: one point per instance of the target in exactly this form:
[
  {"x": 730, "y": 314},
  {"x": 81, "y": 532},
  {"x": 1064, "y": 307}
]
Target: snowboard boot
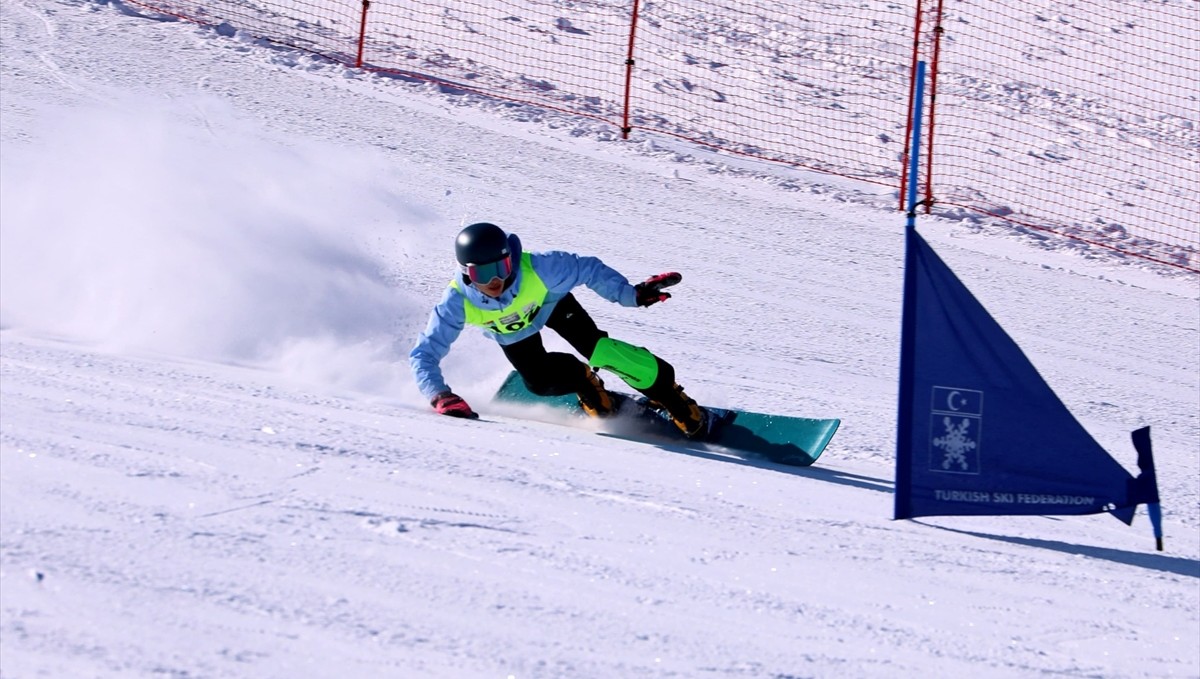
[
  {"x": 691, "y": 419},
  {"x": 594, "y": 398}
]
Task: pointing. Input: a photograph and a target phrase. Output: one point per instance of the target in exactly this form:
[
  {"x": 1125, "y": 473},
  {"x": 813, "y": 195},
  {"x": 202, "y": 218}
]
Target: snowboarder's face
[
  {"x": 492, "y": 289},
  {"x": 489, "y": 278}
]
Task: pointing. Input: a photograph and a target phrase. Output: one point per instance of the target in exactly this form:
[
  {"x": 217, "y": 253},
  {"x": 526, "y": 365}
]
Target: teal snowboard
[{"x": 796, "y": 441}]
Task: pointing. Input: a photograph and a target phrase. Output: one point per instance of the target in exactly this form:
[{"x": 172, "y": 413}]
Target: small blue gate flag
[{"x": 980, "y": 431}]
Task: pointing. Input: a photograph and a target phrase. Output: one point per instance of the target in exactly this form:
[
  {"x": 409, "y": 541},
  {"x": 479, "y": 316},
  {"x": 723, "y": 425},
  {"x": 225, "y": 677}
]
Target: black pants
[{"x": 556, "y": 373}]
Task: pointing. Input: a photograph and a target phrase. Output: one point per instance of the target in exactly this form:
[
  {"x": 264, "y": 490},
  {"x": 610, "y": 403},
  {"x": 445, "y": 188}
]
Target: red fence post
[
  {"x": 912, "y": 89},
  {"x": 362, "y": 33},
  {"x": 933, "y": 79},
  {"x": 625, "y": 126}
]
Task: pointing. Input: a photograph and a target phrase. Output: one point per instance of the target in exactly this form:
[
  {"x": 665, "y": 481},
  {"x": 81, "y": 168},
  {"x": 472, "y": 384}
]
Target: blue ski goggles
[{"x": 482, "y": 274}]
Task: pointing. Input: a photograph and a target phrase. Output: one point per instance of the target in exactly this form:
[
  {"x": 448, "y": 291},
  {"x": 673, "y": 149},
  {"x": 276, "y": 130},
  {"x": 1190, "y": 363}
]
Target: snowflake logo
[{"x": 956, "y": 443}]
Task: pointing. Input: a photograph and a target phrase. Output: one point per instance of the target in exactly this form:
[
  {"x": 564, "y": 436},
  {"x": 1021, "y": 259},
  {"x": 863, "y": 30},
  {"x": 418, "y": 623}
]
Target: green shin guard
[{"x": 637, "y": 366}]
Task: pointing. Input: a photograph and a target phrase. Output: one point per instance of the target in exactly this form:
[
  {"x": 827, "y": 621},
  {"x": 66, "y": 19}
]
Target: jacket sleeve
[
  {"x": 563, "y": 271},
  {"x": 445, "y": 324}
]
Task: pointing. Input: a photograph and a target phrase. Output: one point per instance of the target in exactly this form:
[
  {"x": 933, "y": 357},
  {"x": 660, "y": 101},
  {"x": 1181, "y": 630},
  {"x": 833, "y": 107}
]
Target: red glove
[
  {"x": 449, "y": 403},
  {"x": 650, "y": 291}
]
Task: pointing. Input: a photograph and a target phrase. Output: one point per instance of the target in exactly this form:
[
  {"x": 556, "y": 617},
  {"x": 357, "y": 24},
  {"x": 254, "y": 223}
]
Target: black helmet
[
  {"x": 481, "y": 243},
  {"x": 483, "y": 254}
]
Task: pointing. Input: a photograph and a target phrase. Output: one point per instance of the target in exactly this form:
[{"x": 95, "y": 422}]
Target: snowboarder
[{"x": 511, "y": 295}]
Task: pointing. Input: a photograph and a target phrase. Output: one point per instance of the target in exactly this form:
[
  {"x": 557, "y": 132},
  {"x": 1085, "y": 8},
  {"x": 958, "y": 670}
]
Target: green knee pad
[{"x": 637, "y": 366}]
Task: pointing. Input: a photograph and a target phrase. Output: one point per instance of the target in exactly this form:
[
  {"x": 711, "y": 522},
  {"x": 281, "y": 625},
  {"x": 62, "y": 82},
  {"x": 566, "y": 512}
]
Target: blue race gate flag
[{"x": 980, "y": 431}]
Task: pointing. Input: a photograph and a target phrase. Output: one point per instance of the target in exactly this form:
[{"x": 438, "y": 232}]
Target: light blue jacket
[{"x": 561, "y": 272}]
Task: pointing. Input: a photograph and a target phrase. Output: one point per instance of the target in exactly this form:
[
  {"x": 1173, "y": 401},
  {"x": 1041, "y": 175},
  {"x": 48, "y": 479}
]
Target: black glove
[
  {"x": 449, "y": 403},
  {"x": 650, "y": 291}
]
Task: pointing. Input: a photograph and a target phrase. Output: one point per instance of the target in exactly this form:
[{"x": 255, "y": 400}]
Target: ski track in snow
[
  {"x": 193, "y": 508},
  {"x": 256, "y": 519}
]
